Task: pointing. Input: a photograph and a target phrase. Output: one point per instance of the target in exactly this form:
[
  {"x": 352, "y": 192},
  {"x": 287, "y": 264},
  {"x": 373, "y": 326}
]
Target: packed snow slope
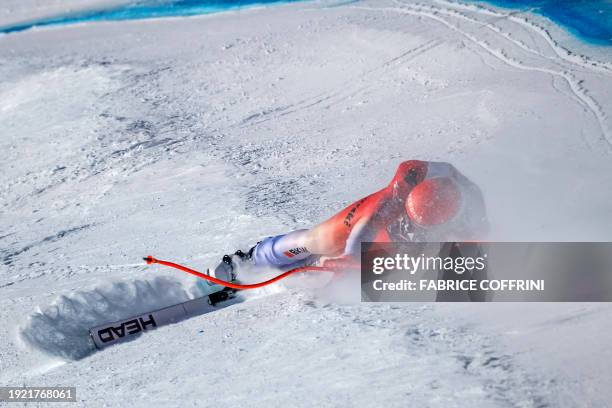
[{"x": 186, "y": 138}]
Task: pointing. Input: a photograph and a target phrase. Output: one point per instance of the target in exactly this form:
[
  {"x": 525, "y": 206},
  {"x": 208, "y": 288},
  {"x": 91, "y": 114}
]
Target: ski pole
[{"x": 150, "y": 260}]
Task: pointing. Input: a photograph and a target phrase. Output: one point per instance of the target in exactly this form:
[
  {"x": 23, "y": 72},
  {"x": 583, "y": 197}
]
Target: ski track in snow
[
  {"x": 62, "y": 328},
  {"x": 502, "y": 54},
  {"x": 222, "y": 133},
  {"x": 432, "y": 360},
  {"x": 589, "y": 63}
]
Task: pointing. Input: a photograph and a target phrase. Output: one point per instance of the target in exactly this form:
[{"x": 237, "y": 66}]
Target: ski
[{"x": 122, "y": 330}]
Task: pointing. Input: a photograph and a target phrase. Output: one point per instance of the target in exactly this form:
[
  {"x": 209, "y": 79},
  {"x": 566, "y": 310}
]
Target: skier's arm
[
  {"x": 363, "y": 231},
  {"x": 350, "y": 258}
]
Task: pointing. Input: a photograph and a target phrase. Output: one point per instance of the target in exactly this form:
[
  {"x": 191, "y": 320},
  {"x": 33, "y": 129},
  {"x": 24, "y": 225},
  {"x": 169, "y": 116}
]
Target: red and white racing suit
[{"x": 379, "y": 217}]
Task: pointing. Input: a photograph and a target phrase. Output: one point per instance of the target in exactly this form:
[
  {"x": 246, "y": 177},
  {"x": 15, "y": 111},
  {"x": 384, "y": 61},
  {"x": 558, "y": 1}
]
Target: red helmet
[{"x": 433, "y": 201}]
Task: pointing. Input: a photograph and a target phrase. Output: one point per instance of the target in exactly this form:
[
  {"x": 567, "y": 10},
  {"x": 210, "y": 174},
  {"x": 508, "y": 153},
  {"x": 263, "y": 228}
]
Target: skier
[{"x": 424, "y": 202}]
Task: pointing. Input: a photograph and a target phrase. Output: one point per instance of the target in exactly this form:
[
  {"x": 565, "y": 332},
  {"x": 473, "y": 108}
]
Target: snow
[
  {"x": 568, "y": 341},
  {"x": 267, "y": 352},
  {"x": 188, "y": 138},
  {"x": 23, "y": 11},
  {"x": 62, "y": 329}
]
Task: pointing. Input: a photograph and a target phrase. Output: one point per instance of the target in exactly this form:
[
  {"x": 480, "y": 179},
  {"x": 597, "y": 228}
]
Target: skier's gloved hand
[{"x": 342, "y": 263}]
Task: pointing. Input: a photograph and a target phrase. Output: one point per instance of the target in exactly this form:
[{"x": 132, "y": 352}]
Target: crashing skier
[{"x": 424, "y": 202}]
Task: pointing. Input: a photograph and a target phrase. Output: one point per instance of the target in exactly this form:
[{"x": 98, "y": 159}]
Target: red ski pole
[{"x": 331, "y": 268}]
